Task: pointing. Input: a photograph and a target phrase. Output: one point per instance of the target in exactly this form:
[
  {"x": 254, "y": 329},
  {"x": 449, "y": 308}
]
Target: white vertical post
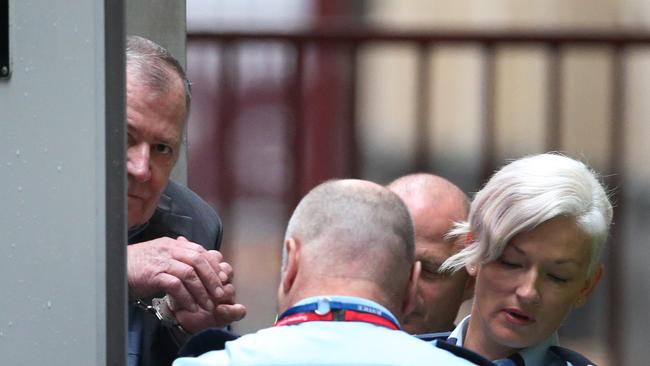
[{"x": 59, "y": 238}]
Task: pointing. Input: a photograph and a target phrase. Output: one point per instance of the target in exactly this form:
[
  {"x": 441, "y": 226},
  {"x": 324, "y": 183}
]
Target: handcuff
[{"x": 160, "y": 308}]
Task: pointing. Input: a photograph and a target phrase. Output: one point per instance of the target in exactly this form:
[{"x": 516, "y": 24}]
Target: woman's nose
[{"x": 528, "y": 289}]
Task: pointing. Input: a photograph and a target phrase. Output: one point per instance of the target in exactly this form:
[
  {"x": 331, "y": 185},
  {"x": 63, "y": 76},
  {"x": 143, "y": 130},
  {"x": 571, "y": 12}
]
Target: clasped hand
[{"x": 196, "y": 280}]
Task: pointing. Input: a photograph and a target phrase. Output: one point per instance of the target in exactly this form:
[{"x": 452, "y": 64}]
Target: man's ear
[
  {"x": 590, "y": 285},
  {"x": 410, "y": 299},
  {"x": 291, "y": 266}
]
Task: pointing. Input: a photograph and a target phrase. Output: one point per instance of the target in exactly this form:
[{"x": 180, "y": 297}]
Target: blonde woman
[{"x": 534, "y": 234}]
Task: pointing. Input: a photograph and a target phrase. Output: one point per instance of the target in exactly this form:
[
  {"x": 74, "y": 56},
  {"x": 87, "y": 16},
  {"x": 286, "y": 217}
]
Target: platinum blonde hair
[{"x": 526, "y": 193}]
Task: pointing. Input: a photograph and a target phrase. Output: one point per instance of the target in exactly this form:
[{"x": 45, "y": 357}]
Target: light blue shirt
[
  {"x": 537, "y": 355},
  {"x": 327, "y": 343}
]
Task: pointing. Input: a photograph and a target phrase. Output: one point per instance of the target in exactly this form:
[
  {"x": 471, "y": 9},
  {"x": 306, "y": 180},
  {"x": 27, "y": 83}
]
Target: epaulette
[
  {"x": 429, "y": 337},
  {"x": 575, "y": 358},
  {"x": 462, "y": 353},
  {"x": 212, "y": 339}
]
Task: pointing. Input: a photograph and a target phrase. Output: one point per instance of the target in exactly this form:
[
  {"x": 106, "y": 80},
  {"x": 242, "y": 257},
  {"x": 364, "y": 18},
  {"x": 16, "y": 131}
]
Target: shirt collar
[
  {"x": 533, "y": 356},
  {"x": 457, "y": 335},
  {"x": 350, "y": 300},
  {"x": 537, "y": 354},
  {"x": 133, "y": 232}
]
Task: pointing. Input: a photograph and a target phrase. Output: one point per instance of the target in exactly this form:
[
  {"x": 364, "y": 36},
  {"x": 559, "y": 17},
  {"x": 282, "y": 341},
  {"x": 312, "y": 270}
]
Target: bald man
[
  {"x": 348, "y": 275},
  {"x": 434, "y": 204}
]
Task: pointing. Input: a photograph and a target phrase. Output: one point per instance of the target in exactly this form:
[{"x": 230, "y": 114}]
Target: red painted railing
[{"x": 314, "y": 155}]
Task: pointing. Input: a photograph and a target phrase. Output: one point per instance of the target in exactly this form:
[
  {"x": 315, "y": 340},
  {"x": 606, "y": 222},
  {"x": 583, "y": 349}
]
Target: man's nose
[
  {"x": 528, "y": 290},
  {"x": 138, "y": 162}
]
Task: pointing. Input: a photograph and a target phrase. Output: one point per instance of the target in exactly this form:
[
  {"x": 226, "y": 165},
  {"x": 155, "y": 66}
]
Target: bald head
[
  {"x": 354, "y": 218},
  {"x": 434, "y": 204},
  {"x": 427, "y": 191},
  {"x": 352, "y": 232}
]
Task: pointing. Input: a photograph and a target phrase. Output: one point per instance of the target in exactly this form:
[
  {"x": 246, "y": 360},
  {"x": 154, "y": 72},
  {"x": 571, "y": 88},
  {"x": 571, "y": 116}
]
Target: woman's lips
[{"x": 518, "y": 317}]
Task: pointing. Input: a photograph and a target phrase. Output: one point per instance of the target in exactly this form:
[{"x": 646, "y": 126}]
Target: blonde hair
[{"x": 526, "y": 193}]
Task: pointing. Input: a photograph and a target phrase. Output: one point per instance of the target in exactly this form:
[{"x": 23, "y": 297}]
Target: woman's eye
[
  {"x": 509, "y": 263},
  {"x": 558, "y": 279}
]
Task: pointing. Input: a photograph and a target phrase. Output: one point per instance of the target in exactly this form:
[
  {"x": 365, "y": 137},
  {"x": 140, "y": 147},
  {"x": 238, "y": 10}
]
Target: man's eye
[
  {"x": 429, "y": 274},
  {"x": 162, "y": 149},
  {"x": 558, "y": 279}
]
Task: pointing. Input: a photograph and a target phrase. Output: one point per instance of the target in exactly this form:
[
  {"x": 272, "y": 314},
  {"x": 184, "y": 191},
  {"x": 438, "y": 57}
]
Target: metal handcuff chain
[{"x": 161, "y": 309}]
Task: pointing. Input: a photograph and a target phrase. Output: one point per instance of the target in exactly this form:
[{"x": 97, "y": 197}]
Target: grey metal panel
[
  {"x": 162, "y": 21},
  {"x": 53, "y": 186},
  {"x": 116, "y": 313}
]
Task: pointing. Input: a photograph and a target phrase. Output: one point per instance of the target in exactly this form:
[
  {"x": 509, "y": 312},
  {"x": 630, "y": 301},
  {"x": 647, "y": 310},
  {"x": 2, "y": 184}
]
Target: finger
[
  {"x": 182, "y": 242},
  {"x": 229, "y": 294},
  {"x": 226, "y": 272},
  {"x": 191, "y": 280},
  {"x": 214, "y": 258},
  {"x": 206, "y": 273},
  {"x": 174, "y": 287},
  {"x": 226, "y": 313},
  {"x": 196, "y": 321}
]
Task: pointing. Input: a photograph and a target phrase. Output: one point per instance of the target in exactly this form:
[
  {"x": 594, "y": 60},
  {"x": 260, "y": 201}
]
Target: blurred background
[{"x": 290, "y": 93}]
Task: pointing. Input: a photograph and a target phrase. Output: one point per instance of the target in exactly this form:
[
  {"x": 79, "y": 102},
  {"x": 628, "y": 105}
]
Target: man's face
[
  {"x": 155, "y": 128},
  {"x": 439, "y": 296}
]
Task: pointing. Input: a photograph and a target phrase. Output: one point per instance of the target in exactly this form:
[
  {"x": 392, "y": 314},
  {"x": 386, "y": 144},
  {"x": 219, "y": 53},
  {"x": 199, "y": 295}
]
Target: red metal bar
[
  {"x": 489, "y": 120},
  {"x": 554, "y": 99},
  {"x": 295, "y": 130},
  {"x": 351, "y": 131},
  {"x": 363, "y": 35},
  {"x": 423, "y": 99},
  {"x": 357, "y": 37},
  {"x": 325, "y": 108},
  {"x": 227, "y": 108},
  {"x": 616, "y": 180}
]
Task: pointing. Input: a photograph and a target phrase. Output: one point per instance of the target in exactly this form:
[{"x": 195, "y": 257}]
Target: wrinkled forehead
[
  {"x": 435, "y": 252},
  {"x": 155, "y": 113},
  {"x": 158, "y": 77}
]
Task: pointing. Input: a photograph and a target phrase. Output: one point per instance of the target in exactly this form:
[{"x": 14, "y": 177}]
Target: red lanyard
[{"x": 342, "y": 315}]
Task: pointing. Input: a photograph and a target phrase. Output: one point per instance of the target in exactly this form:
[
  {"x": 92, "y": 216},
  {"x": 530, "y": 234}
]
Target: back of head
[
  {"x": 155, "y": 67},
  {"x": 526, "y": 193},
  {"x": 354, "y": 231},
  {"x": 428, "y": 192}
]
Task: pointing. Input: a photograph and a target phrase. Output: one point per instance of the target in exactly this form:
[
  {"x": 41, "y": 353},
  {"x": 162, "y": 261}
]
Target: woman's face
[{"x": 522, "y": 297}]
